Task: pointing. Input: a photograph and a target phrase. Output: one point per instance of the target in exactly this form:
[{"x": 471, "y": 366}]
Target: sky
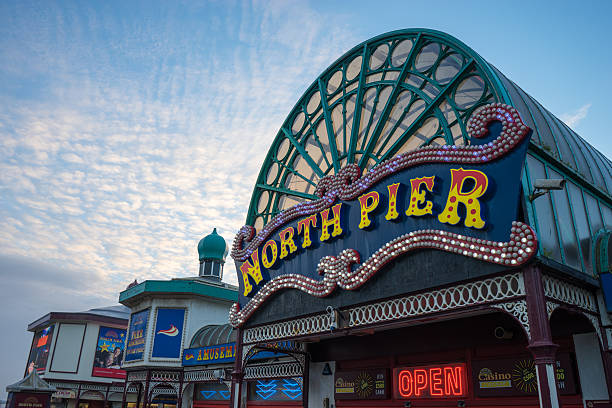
[{"x": 130, "y": 129}]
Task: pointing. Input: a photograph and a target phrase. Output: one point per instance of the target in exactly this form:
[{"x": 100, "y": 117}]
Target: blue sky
[{"x": 128, "y": 130}]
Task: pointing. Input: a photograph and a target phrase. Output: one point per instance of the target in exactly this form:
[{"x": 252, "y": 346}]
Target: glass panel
[
  {"x": 259, "y": 223},
  {"x": 314, "y": 102},
  {"x": 595, "y": 218},
  {"x": 383, "y": 97},
  {"x": 298, "y": 123},
  {"x": 430, "y": 90},
  {"x": 401, "y": 103},
  {"x": 427, "y": 57},
  {"x": 417, "y": 107},
  {"x": 324, "y": 140},
  {"x": 565, "y": 224},
  {"x": 334, "y": 82},
  {"x": 353, "y": 69},
  {"x": 374, "y": 78},
  {"x": 414, "y": 80},
  {"x": 448, "y": 68},
  {"x": 379, "y": 56},
  {"x": 400, "y": 53},
  {"x": 297, "y": 183},
  {"x": 391, "y": 75},
  {"x": 428, "y": 129},
  {"x": 283, "y": 149},
  {"x": 338, "y": 126},
  {"x": 350, "y": 116},
  {"x": 272, "y": 173},
  {"x": 582, "y": 225},
  {"x": 366, "y": 112},
  {"x": 547, "y": 228},
  {"x": 469, "y": 91},
  {"x": 286, "y": 201},
  {"x": 607, "y": 215},
  {"x": 262, "y": 204}
]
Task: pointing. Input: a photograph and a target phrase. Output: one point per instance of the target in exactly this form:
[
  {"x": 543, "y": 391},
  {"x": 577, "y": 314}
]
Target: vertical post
[
  {"x": 139, "y": 396},
  {"x": 179, "y": 402},
  {"x": 540, "y": 344},
  {"x": 236, "y": 389},
  {"x": 306, "y": 380},
  {"x": 145, "y": 401},
  {"x": 106, "y": 395},
  {"x": 78, "y": 399},
  {"x": 123, "y": 398}
]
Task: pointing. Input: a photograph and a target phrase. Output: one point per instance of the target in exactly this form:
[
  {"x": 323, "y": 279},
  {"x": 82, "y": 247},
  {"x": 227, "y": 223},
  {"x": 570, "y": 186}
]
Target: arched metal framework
[{"x": 405, "y": 89}]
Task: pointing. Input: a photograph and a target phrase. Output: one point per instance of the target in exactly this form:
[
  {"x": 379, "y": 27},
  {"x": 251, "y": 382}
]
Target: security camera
[
  {"x": 502, "y": 333},
  {"x": 543, "y": 186},
  {"x": 549, "y": 184}
]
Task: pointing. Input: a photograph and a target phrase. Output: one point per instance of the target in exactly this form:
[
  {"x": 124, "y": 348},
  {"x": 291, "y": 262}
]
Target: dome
[{"x": 212, "y": 246}]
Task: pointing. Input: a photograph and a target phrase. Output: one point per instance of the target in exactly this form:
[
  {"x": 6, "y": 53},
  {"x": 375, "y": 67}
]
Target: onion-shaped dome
[
  {"x": 395, "y": 93},
  {"x": 212, "y": 247}
]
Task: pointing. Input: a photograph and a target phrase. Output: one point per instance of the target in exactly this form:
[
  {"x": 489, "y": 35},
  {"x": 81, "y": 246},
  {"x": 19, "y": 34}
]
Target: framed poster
[
  {"x": 361, "y": 385},
  {"x": 39, "y": 352},
  {"x": 168, "y": 334},
  {"x": 137, "y": 336},
  {"x": 109, "y": 353}
]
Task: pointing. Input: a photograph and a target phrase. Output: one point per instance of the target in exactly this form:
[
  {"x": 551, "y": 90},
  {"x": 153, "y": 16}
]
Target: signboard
[
  {"x": 64, "y": 394},
  {"x": 30, "y": 400},
  {"x": 285, "y": 389},
  {"x": 39, "y": 353},
  {"x": 212, "y": 391},
  {"x": 517, "y": 377},
  {"x": 220, "y": 353},
  {"x": 457, "y": 199},
  {"x": 109, "y": 353},
  {"x": 168, "y": 334},
  {"x": 137, "y": 336},
  {"x": 361, "y": 385},
  {"x": 225, "y": 353},
  {"x": 433, "y": 381}
]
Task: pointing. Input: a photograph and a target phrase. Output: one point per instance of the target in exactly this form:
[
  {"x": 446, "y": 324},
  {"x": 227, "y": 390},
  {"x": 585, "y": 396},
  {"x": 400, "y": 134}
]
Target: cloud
[
  {"x": 572, "y": 119},
  {"x": 122, "y": 145}
]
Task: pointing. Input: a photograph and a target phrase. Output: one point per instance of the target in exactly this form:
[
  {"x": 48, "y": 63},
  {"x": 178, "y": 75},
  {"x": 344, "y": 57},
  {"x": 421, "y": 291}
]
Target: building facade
[
  {"x": 424, "y": 233},
  {"x": 80, "y": 353}
]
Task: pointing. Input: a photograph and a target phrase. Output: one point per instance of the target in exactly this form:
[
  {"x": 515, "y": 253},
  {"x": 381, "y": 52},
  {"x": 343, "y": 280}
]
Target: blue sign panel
[
  {"x": 457, "y": 199},
  {"x": 168, "y": 333},
  {"x": 220, "y": 353},
  {"x": 137, "y": 336}
]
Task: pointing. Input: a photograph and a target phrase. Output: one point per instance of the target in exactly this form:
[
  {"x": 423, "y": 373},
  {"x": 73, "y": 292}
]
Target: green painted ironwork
[{"x": 397, "y": 92}]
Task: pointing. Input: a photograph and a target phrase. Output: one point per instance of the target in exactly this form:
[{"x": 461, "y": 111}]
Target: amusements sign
[
  {"x": 517, "y": 377},
  {"x": 39, "y": 353},
  {"x": 361, "y": 385},
  {"x": 168, "y": 334},
  {"x": 109, "y": 353},
  {"x": 457, "y": 199},
  {"x": 137, "y": 336}
]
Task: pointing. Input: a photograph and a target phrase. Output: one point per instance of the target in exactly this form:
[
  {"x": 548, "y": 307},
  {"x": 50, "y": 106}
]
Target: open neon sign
[{"x": 436, "y": 381}]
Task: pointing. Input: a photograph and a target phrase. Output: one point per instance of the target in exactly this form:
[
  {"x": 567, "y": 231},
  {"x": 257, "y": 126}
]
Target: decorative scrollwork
[
  {"x": 517, "y": 308},
  {"x": 281, "y": 370},
  {"x": 570, "y": 294}
]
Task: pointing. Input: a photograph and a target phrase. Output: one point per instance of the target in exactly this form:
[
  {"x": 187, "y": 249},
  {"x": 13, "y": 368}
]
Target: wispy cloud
[
  {"x": 122, "y": 144},
  {"x": 572, "y": 119}
]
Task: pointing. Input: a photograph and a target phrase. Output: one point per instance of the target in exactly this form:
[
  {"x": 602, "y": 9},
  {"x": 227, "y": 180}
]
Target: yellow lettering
[
  {"x": 326, "y": 222},
  {"x": 267, "y": 262},
  {"x": 392, "y": 213},
  {"x": 305, "y": 225},
  {"x": 373, "y": 198},
  {"x": 469, "y": 199},
  {"x": 417, "y": 196},
  {"x": 286, "y": 237},
  {"x": 253, "y": 270}
]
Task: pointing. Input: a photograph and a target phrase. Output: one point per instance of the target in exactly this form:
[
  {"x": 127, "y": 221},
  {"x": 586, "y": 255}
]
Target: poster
[
  {"x": 168, "y": 334},
  {"x": 361, "y": 385},
  {"x": 137, "y": 336},
  {"x": 40, "y": 350},
  {"x": 109, "y": 353},
  {"x": 517, "y": 376}
]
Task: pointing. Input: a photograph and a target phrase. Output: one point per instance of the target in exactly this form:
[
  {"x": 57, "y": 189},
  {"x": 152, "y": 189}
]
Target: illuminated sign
[
  {"x": 225, "y": 353},
  {"x": 457, "y": 199},
  {"x": 362, "y": 385},
  {"x": 436, "y": 381},
  {"x": 517, "y": 376}
]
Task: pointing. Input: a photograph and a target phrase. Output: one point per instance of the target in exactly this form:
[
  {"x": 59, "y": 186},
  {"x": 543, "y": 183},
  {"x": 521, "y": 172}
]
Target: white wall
[
  {"x": 590, "y": 367},
  {"x": 321, "y": 386}
]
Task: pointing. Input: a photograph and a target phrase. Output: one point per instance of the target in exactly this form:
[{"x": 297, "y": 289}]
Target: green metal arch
[{"x": 292, "y": 178}]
